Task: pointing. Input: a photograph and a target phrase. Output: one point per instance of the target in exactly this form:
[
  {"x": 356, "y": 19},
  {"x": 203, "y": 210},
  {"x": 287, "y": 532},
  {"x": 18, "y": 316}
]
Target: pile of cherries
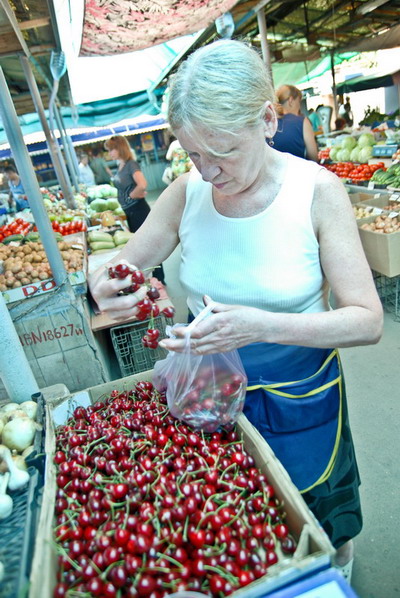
[
  {"x": 147, "y": 506},
  {"x": 147, "y": 307}
]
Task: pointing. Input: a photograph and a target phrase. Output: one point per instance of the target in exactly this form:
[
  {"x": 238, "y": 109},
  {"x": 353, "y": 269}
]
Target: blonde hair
[
  {"x": 222, "y": 86},
  {"x": 120, "y": 143},
  {"x": 283, "y": 93}
]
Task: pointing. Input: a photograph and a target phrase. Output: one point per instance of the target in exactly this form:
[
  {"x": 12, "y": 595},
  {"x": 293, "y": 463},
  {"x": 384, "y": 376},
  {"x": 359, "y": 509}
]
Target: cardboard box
[
  {"x": 382, "y": 250},
  {"x": 314, "y": 550},
  {"x": 390, "y": 202},
  {"x": 54, "y": 331},
  {"x": 358, "y": 197}
]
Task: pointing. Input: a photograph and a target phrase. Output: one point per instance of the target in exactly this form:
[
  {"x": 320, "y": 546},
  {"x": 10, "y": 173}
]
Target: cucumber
[
  {"x": 32, "y": 236},
  {"x": 121, "y": 237},
  {"x": 96, "y": 245},
  {"x": 97, "y": 236},
  {"x": 13, "y": 238}
]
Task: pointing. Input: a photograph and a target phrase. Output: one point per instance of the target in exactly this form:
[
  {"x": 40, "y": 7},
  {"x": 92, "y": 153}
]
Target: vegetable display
[
  {"x": 147, "y": 506},
  {"x": 353, "y": 172},
  {"x": 389, "y": 177},
  {"x": 383, "y": 224},
  {"x": 27, "y": 263},
  {"x": 99, "y": 240}
]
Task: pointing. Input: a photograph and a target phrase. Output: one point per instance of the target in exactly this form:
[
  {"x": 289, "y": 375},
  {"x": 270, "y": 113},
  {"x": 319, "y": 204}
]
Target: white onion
[
  {"x": 9, "y": 407},
  {"x": 18, "y": 433},
  {"x": 30, "y": 408},
  {"x": 14, "y": 414}
]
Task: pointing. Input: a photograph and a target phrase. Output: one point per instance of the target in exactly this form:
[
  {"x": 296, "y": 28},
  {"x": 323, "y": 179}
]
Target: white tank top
[{"x": 269, "y": 261}]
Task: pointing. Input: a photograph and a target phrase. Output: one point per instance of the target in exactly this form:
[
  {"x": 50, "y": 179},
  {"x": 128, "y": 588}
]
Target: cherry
[{"x": 168, "y": 311}]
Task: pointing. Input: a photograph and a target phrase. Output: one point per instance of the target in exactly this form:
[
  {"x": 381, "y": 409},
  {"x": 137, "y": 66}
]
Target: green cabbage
[
  {"x": 366, "y": 139},
  {"x": 112, "y": 203},
  {"x": 355, "y": 154},
  {"x": 333, "y": 153},
  {"x": 348, "y": 142},
  {"x": 98, "y": 205},
  {"x": 343, "y": 155},
  {"x": 365, "y": 154}
]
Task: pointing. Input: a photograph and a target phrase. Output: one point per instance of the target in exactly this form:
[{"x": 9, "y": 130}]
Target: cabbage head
[
  {"x": 355, "y": 154},
  {"x": 366, "y": 139},
  {"x": 333, "y": 153},
  {"x": 348, "y": 142},
  {"x": 365, "y": 154}
]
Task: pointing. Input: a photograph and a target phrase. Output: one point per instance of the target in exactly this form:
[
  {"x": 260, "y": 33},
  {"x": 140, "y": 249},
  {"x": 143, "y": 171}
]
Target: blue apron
[{"x": 294, "y": 399}]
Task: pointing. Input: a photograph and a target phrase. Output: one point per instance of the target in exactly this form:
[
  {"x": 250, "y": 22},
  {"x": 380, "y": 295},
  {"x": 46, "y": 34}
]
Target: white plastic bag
[{"x": 205, "y": 391}]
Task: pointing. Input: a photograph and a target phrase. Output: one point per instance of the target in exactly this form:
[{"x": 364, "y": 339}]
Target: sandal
[{"x": 346, "y": 570}]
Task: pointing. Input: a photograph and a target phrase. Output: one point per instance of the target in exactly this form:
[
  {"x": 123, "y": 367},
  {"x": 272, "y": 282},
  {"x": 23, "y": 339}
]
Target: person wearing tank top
[{"x": 269, "y": 237}]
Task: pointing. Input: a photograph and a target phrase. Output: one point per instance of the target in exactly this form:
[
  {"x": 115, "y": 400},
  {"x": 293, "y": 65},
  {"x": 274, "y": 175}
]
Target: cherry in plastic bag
[{"x": 205, "y": 391}]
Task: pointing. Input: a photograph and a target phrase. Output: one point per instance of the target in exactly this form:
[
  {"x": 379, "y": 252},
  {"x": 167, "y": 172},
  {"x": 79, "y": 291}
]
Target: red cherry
[{"x": 168, "y": 312}]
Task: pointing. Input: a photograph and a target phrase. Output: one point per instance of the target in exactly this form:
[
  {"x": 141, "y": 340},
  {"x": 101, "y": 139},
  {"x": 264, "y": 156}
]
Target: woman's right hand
[{"x": 107, "y": 293}]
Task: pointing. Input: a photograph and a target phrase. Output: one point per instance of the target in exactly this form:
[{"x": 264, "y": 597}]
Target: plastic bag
[{"x": 204, "y": 391}]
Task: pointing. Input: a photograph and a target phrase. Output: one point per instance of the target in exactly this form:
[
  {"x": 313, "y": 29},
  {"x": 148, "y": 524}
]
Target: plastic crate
[
  {"x": 132, "y": 356},
  {"x": 17, "y": 534},
  {"x": 389, "y": 293}
]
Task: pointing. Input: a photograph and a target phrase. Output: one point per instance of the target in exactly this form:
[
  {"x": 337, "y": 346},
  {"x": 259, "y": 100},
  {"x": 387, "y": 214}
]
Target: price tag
[
  {"x": 377, "y": 195},
  {"x": 394, "y": 197},
  {"x": 395, "y": 162},
  {"x": 371, "y": 185},
  {"x": 377, "y": 211},
  {"x": 322, "y": 161},
  {"x": 393, "y": 214}
]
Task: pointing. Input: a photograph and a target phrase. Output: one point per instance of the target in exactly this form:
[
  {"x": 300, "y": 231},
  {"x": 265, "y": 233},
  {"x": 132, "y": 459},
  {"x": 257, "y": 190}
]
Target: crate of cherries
[
  {"x": 147, "y": 307},
  {"x": 147, "y": 506}
]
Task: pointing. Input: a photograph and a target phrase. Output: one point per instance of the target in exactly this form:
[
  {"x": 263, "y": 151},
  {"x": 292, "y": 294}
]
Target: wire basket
[
  {"x": 389, "y": 293},
  {"x": 132, "y": 356}
]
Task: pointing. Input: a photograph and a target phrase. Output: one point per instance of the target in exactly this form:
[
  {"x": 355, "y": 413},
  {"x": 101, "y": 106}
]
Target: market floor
[{"x": 372, "y": 384}]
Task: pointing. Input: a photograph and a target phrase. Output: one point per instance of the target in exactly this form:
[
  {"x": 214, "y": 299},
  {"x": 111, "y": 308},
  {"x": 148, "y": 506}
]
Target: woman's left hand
[{"x": 228, "y": 327}]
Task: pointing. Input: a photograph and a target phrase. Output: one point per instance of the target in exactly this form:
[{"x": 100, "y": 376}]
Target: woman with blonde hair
[
  {"x": 270, "y": 237},
  {"x": 295, "y": 134}
]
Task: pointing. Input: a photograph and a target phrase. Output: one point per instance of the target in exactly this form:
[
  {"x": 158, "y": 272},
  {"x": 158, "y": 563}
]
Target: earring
[{"x": 271, "y": 142}]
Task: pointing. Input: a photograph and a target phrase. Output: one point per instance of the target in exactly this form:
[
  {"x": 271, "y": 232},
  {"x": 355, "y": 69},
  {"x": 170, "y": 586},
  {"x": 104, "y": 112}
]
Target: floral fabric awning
[{"x": 119, "y": 26}]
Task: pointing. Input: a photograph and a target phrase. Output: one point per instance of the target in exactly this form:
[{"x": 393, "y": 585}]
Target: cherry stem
[
  {"x": 223, "y": 572},
  {"x": 170, "y": 559},
  {"x": 238, "y": 514},
  {"x": 64, "y": 553}
]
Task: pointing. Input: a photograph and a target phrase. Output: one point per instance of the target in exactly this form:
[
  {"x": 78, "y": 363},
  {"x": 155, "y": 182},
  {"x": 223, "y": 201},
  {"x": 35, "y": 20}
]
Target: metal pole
[
  {"x": 335, "y": 103},
  {"x": 51, "y": 142},
  {"x": 66, "y": 150},
  {"x": 15, "y": 370},
  {"x": 262, "y": 28},
  {"x": 70, "y": 144},
  {"x": 29, "y": 181}
]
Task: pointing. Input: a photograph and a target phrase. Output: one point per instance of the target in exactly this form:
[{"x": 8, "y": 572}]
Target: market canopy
[
  {"x": 119, "y": 26},
  {"x": 373, "y": 81}
]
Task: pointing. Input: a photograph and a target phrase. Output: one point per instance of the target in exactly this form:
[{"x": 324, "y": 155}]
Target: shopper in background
[
  {"x": 179, "y": 162},
  {"x": 315, "y": 120},
  {"x": 17, "y": 199},
  {"x": 131, "y": 184},
  {"x": 294, "y": 134},
  {"x": 268, "y": 236},
  {"x": 340, "y": 124},
  {"x": 86, "y": 175},
  {"x": 102, "y": 173},
  {"x": 346, "y": 112}
]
